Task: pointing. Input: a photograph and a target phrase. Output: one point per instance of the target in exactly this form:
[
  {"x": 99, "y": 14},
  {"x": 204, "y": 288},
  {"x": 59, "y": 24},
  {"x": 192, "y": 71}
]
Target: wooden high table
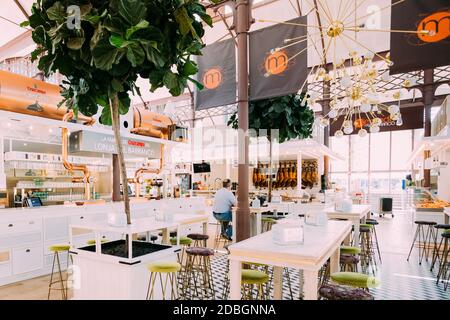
[
  {"x": 320, "y": 244},
  {"x": 355, "y": 215}
]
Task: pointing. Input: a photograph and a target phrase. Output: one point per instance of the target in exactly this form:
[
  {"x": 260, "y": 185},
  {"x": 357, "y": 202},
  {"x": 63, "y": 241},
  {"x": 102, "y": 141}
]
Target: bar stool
[
  {"x": 349, "y": 259},
  {"x": 423, "y": 238},
  {"x": 349, "y": 286},
  {"x": 91, "y": 242},
  {"x": 374, "y": 223},
  {"x": 185, "y": 242},
  {"x": 267, "y": 223},
  {"x": 169, "y": 269},
  {"x": 437, "y": 248},
  {"x": 251, "y": 280},
  {"x": 198, "y": 274},
  {"x": 57, "y": 249},
  {"x": 200, "y": 239},
  {"x": 367, "y": 254},
  {"x": 443, "y": 272},
  {"x": 349, "y": 262},
  {"x": 219, "y": 237}
]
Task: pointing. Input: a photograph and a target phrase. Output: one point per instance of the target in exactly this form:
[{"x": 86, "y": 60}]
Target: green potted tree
[
  {"x": 287, "y": 114},
  {"x": 102, "y": 47}
]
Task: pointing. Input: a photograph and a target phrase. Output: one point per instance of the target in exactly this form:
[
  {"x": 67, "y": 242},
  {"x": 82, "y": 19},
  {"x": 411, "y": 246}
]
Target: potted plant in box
[
  {"x": 287, "y": 114},
  {"x": 103, "y": 47}
]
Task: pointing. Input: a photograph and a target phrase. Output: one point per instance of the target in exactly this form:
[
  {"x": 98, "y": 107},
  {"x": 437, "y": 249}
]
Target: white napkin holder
[
  {"x": 316, "y": 218},
  {"x": 286, "y": 234},
  {"x": 343, "y": 205},
  {"x": 256, "y": 203},
  {"x": 276, "y": 199},
  {"x": 117, "y": 219}
]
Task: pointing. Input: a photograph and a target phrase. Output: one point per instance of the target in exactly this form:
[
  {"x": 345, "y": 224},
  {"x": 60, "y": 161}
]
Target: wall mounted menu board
[{"x": 203, "y": 167}]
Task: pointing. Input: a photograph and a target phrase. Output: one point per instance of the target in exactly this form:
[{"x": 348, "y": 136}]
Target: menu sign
[{"x": 105, "y": 143}]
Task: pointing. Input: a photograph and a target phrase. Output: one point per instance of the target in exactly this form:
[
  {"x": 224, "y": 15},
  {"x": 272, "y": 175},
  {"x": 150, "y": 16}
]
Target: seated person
[{"x": 224, "y": 200}]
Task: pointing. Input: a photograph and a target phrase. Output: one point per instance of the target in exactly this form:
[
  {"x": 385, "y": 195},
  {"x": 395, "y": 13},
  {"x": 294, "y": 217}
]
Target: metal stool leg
[
  {"x": 443, "y": 266},
  {"x": 436, "y": 252},
  {"x": 414, "y": 241},
  {"x": 61, "y": 280},
  {"x": 376, "y": 242}
]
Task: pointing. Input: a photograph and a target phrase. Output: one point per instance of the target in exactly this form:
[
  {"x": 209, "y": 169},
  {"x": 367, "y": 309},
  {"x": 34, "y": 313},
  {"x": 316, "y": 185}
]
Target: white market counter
[{"x": 27, "y": 233}]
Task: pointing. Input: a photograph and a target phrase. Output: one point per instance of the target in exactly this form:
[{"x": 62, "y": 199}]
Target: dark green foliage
[
  {"x": 118, "y": 41},
  {"x": 283, "y": 113}
]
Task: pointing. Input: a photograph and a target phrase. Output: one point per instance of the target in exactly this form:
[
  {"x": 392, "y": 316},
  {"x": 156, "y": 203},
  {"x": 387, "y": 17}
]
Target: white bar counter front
[
  {"x": 27, "y": 233},
  {"x": 320, "y": 244}
]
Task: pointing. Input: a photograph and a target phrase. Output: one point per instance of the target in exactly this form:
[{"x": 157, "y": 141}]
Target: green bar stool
[
  {"x": 437, "y": 248},
  {"x": 349, "y": 286},
  {"x": 367, "y": 255},
  {"x": 251, "y": 280},
  {"x": 197, "y": 277},
  {"x": 374, "y": 223},
  {"x": 267, "y": 223},
  {"x": 185, "y": 242},
  {"x": 423, "y": 236},
  {"x": 57, "y": 249},
  {"x": 349, "y": 258},
  {"x": 355, "y": 279},
  {"x": 91, "y": 242},
  {"x": 169, "y": 270}
]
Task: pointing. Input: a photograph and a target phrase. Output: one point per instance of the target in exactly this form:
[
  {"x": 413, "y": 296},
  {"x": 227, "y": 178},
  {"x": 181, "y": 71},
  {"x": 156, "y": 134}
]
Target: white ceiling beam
[{"x": 18, "y": 44}]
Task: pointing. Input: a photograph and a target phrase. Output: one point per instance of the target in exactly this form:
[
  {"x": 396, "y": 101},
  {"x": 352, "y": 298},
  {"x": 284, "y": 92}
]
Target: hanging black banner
[
  {"x": 217, "y": 72},
  {"x": 280, "y": 72},
  {"x": 422, "y": 50},
  {"x": 412, "y": 119}
]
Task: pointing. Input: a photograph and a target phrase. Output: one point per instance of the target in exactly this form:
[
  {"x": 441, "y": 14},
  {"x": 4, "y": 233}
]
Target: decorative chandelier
[
  {"x": 356, "y": 98},
  {"x": 354, "y": 94}
]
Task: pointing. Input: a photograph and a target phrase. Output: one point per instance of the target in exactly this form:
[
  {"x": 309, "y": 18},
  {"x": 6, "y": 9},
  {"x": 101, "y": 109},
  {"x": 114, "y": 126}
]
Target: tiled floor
[{"x": 400, "y": 280}]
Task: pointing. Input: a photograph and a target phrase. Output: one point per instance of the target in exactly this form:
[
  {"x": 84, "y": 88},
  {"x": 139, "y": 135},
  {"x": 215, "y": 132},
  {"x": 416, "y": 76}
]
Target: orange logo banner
[
  {"x": 276, "y": 63},
  {"x": 212, "y": 78},
  {"x": 437, "y": 25}
]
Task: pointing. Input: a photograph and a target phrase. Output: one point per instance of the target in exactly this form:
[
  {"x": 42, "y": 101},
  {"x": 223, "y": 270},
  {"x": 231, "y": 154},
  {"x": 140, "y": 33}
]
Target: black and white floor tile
[{"x": 400, "y": 279}]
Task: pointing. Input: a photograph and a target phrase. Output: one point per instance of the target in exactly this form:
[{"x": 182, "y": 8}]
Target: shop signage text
[{"x": 104, "y": 143}]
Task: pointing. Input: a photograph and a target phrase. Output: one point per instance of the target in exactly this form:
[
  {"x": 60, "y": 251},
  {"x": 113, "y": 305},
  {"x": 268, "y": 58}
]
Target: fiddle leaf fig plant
[
  {"x": 102, "y": 48},
  {"x": 287, "y": 114}
]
